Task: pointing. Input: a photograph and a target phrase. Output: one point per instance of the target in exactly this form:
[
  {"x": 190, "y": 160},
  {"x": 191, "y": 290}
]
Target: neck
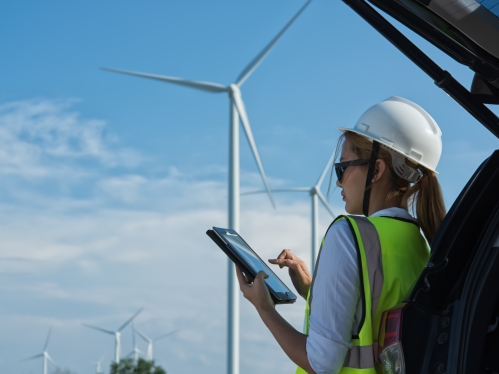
[{"x": 382, "y": 199}]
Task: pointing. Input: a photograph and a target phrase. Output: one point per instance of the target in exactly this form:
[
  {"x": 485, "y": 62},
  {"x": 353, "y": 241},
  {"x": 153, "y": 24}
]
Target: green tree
[{"x": 126, "y": 366}]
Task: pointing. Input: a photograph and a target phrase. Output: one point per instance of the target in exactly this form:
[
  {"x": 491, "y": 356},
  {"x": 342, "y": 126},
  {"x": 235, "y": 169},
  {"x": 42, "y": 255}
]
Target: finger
[
  {"x": 296, "y": 267},
  {"x": 279, "y": 262},
  {"x": 295, "y": 260},
  {"x": 261, "y": 276},
  {"x": 286, "y": 253},
  {"x": 247, "y": 278},
  {"x": 302, "y": 265},
  {"x": 304, "y": 268},
  {"x": 240, "y": 276}
]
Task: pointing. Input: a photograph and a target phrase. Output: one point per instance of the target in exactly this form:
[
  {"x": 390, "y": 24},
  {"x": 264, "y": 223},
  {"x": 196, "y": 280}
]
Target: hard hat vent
[{"x": 403, "y": 170}]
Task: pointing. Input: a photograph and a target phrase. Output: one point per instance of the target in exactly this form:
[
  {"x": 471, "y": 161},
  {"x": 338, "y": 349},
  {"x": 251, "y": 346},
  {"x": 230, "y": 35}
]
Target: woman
[{"x": 365, "y": 265}]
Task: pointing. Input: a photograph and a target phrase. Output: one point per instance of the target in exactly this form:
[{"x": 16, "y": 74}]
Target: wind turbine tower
[
  {"x": 44, "y": 354},
  {"x": 315, "y": 195},
  {"x": 237, "y": 110},
  {"x": 117, "y": 335}
]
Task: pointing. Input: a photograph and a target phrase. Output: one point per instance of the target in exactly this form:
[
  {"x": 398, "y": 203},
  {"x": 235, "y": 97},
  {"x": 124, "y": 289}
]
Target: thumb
[
  {"x": 293, "y": 265},
  {"x": 261, "y": 275}
]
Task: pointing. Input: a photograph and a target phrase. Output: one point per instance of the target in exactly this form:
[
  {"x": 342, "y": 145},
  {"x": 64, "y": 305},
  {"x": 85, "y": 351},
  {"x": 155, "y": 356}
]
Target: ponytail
[{"x": 426, "y": 201}]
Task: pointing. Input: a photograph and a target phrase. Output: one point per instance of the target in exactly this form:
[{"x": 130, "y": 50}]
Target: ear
[{"x": 380, "y": 169}]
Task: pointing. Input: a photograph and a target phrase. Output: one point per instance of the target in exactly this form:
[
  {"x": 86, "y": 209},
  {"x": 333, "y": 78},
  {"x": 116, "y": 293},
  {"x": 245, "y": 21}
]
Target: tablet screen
[{"x": 252, "y": 260}]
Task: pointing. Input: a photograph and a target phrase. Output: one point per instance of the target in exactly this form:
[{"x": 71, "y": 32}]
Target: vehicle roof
[
  {"x": 478, "y": 20},
  {"x": 467, "y": 30}
]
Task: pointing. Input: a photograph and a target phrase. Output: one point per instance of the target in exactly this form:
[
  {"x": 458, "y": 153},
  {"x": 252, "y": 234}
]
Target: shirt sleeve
[{"x": 335, "y": 301}]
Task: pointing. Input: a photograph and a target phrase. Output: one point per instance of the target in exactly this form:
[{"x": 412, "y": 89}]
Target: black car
[{"x": 450, "y": 321}]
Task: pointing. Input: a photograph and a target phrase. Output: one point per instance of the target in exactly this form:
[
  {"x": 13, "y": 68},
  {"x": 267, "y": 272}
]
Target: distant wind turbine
[
  {"x": 44, "y": 354},
  {"x": 97, "y": 364},
  {"x": 117, "y": 335},
  {"x": 237, "y": 110},
  {"x": 316, "y": 195},
  {"x": 135, "y": 351},
  {"x": 149, "y": 353}
]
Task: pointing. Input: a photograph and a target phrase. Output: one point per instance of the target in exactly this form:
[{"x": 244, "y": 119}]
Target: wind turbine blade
[
  {"x": 298, "y": 189},
  {"x": 238, "y": 102},
  {"x": 205, "y": 86},
  {"x": 99, "y": 329},
  {"x": 324, "y": 172},
  {"x": 32, "y": 357},
  {"x": 326, "y": 204},
  {"x": 130, "y": 319},
  {"x": 130, "y": 354},
  {"x": 47, "y": 341},
  {"x": 165, "y": 335},
  {"x": 142, "y": 335},
  {"x": 50, "y": 359},
  {"x": 259, "y": 58}
]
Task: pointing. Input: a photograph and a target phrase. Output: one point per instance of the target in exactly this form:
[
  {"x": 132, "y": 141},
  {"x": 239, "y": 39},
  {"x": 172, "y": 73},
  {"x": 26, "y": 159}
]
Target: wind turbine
[
  {"x": 149, "y": 354},
  {"x": 316, "y": 195},
  {"x": 236, "y": 109},
  {"x": 98, "y": 369},
  {"x": 136, "y": 351},
  {"x": 44, "y": 354},
  {"x": 117, "y": 334}
]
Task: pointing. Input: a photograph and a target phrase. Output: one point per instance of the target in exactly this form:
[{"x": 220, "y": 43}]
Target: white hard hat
[{"x": 404, "y": 127}]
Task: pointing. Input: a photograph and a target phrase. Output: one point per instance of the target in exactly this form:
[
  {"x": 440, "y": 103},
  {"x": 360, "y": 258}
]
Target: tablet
[{"x": 250, "y": 263}]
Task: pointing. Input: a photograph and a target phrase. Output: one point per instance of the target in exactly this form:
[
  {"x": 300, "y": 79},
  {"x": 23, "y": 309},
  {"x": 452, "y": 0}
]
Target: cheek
[
  {"x": 356, "y": 192},
  {"x": 354, "y": 188}
]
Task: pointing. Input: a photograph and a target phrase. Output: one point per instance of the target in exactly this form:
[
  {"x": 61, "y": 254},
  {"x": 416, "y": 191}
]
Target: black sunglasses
[{"x": 340, "y": 167}]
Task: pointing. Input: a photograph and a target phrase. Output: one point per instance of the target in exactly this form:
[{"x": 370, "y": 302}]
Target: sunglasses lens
[
  {"x": 341, "y": 167},
  {"x": 339, "y": 172}
]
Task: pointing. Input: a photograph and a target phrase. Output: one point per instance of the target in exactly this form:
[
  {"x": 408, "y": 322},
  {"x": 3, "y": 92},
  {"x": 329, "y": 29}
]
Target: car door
[{"x": 453, "y": 306}]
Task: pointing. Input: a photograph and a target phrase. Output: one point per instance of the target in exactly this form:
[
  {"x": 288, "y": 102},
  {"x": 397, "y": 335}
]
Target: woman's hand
[
  {"x": 298, "y": 272},
  {"x": 256, "y": 292}
]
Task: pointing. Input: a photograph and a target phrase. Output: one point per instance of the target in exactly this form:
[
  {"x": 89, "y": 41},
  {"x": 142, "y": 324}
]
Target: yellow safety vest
[{"x": 391, "y": 254}]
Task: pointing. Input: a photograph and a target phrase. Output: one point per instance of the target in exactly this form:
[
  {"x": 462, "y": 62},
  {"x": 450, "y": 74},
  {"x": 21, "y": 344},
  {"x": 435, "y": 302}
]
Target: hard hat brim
[{"x": 344, "y": 129}]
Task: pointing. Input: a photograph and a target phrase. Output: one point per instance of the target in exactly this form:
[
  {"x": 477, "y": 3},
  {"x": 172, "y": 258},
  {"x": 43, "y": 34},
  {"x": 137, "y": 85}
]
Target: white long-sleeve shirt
[{"x": 336, "y": 306}]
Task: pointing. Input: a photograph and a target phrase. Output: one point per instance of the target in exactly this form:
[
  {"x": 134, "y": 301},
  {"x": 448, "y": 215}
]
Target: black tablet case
[{"x": 285, "y": 299}]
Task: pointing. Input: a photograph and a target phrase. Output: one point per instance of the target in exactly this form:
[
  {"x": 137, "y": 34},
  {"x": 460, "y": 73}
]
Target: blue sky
[{"x": 109, "y": 182}]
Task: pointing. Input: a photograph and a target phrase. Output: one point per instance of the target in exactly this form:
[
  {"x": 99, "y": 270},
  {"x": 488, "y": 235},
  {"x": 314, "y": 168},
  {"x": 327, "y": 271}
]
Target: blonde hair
[{"x": 424, "y": 197}]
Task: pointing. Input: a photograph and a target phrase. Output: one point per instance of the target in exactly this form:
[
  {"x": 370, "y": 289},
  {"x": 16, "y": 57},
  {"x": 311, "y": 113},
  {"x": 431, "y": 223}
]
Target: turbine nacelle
[{"x": 233, "y": 89}]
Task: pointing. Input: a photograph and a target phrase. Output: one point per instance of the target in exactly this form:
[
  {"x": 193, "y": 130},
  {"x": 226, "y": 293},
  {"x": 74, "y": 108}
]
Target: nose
[{"x": 338, "y": 183}]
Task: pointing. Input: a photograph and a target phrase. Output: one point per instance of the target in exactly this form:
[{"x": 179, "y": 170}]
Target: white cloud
[{"x": 41, "y": 138}]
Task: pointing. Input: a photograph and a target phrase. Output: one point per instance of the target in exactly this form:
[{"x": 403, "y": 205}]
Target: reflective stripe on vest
[
  {"x": 399, "y": 237},
  {"x": 360, "y": 357}
]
